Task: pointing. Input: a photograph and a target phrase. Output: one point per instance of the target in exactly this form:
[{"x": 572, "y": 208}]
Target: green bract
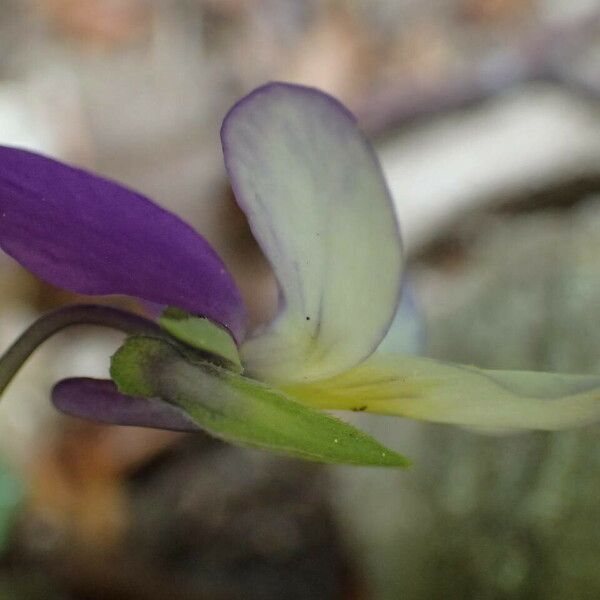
[
  {"x": 202, "y": 334},
  {"x": 241, "y": 410}
]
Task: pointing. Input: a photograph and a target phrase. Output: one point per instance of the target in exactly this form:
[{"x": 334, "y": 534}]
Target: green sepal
[
  {"x": 202, "y": 334},
  {"x": 241, "y": 410}
]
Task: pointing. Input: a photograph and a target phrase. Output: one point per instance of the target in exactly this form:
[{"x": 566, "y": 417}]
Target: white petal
[
  {"x": 318, "y": 205},
  {"x": 406, "y": 334}
]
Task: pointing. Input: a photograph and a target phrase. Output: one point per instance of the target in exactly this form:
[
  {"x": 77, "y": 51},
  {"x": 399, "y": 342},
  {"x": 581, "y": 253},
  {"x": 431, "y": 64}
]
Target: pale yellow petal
[{"x": 431, "y": 390}]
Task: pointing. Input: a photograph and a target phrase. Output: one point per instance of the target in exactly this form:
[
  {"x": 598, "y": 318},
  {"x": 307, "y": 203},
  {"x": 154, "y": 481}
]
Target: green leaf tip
[
  {"x": 240, "y": 410},
  {"x": 201, "y": 333}
]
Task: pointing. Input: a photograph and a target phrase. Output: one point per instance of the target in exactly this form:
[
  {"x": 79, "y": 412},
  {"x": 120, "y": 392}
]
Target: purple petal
[
  {"x": 89, "y": 235},
  {"x": 99, "y": 400}
]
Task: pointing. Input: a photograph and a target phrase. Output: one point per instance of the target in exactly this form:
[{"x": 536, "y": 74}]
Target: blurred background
[{"x": 486, "y": 116}]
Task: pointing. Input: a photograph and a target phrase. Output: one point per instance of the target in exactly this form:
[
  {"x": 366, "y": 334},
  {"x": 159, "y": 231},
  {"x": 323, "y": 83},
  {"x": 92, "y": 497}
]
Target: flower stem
[{"x": 78, "y": 314}]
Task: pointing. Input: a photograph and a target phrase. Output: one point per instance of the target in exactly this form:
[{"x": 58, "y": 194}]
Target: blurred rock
[{"x": 525, "y": 140}]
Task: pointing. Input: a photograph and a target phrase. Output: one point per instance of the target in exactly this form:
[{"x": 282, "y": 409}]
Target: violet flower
[{"x": 318, "y": 205}]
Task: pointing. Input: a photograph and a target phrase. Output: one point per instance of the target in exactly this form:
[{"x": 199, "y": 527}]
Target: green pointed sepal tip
[
  {"x": 201, "y": 333},
  {"x": 241, "y": 410}
]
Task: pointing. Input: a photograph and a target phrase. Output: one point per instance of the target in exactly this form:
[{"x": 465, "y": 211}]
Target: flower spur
[{"x": 318, "y": 205}]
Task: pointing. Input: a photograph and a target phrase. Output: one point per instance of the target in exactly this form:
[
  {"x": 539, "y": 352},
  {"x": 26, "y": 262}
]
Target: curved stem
[{"x": 79, "y": 314}]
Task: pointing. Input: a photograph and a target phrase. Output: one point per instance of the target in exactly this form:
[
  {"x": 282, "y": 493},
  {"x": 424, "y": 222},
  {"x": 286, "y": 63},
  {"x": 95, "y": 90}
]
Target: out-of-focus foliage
[{"x": 11, "y": 495}]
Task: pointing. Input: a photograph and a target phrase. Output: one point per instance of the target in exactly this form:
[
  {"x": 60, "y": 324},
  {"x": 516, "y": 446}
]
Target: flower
[{"x": 317, "y": 202}]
